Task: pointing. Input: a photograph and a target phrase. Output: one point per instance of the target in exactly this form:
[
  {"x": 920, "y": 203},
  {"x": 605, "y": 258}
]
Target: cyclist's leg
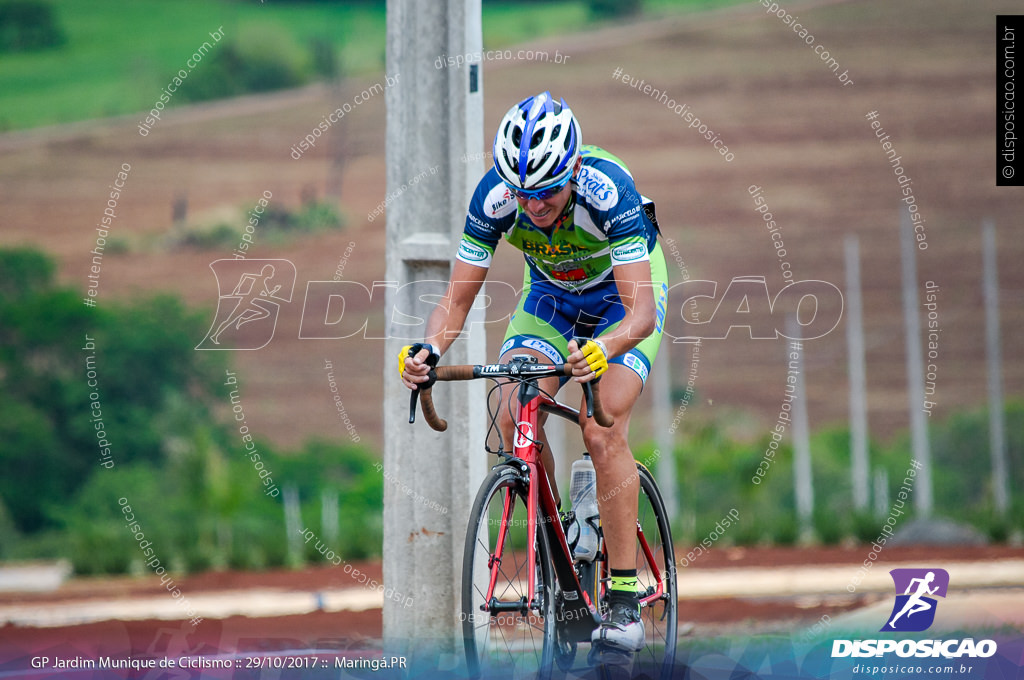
[
  {"x": 623, "y": 632},
  {"x": 621, "y": 385},
  {"x": 617, "y": 486}
]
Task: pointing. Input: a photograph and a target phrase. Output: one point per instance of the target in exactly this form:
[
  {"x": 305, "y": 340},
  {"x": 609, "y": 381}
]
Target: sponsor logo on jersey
[
  {"x": 631, "y": 361},
  {"x": 472, "y": 252},
  {"x": 597, "y": 188},
  {"x": 629, "y": 252},
  {"x": 507, "y": 346},
  {"x": 499, "y": 201},
  {"x": 569, "y": 274},
  {"x": 550, "y": 249},
  {"x": 544, "y": 348},
  {"x": 480, "y": 223},
  {"x": 622, "y": 217}
]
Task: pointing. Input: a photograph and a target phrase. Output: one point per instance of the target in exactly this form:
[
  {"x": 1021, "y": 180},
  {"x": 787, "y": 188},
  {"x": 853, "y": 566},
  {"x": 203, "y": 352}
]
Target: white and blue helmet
[{"x": 537, "y": 144}]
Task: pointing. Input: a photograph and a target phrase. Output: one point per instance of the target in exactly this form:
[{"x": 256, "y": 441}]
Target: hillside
[{"x": 796, "y": 131}]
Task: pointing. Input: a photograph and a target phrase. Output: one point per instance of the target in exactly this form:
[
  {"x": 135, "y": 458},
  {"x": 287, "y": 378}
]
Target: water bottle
[{"x": 583, "y": 492}]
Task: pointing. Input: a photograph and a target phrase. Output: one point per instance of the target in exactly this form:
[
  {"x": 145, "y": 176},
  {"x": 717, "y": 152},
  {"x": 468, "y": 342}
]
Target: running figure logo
[
  {"x": 914, "y": 611},
  {"x": 247, "y": 316}
]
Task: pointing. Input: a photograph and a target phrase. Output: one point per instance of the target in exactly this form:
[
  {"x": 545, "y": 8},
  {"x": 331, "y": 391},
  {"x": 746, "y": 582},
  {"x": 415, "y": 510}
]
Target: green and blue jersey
[{"x": 606, "y": 224}]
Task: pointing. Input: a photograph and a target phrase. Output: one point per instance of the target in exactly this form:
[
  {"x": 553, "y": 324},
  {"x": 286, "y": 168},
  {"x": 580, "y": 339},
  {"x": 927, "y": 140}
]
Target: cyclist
[{"x": 594, "y": 269}]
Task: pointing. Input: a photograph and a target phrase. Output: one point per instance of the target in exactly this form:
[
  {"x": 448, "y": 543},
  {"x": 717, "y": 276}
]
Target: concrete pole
[
  {"x": 329, "y": 516},
  {"x": 661, "y": 395},
  {"x": 915, "y": 369},
  {"x": 434, "y": 159},
  {"x": 881, "y": 492},
  {"x": 858, "y": 377},
  {"x": 293, "y": 526},
  {"x": 997, "y": 438},
  {"x": 803, "y": 479}
]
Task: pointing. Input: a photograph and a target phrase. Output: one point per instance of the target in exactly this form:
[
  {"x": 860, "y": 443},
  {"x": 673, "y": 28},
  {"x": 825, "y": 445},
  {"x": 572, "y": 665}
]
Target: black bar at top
[{"x": 1009, "y": 80}]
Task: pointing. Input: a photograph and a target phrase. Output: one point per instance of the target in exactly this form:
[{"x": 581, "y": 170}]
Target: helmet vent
[{"x": 538, "y": 143}]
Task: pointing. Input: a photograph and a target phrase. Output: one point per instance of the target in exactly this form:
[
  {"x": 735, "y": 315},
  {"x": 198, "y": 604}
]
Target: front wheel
[{"x": 508, "y": 636}]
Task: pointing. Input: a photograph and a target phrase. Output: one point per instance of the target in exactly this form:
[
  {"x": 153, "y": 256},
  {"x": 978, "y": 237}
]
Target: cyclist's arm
[
  {"x": 447, "y": 319},
  {"x": 633, "y": 284}
]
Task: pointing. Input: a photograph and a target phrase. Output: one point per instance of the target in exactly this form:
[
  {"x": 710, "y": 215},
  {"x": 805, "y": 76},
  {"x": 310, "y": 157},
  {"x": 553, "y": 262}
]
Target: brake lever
[
  {"x": 413, "y": 396},
  {"x": 432, "y": 362}
]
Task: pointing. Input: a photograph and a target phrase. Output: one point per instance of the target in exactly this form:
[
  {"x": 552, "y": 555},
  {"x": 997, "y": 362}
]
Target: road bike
[{"x": 527, "y": 604}]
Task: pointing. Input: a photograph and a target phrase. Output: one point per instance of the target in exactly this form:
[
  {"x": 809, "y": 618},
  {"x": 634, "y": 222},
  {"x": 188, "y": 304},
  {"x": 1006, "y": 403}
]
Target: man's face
[{"x": 544, "y": 212}]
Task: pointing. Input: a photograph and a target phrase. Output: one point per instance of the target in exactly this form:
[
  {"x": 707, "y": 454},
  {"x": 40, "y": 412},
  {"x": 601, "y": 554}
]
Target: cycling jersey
[
  {"x": 605, "y": 224},
  {"x": 546, "y": 318}
]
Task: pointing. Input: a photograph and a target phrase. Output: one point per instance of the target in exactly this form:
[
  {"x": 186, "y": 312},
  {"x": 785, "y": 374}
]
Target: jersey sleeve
[
  {"x": 492, "y": 210},
  {"x": 610, "y": 191}
]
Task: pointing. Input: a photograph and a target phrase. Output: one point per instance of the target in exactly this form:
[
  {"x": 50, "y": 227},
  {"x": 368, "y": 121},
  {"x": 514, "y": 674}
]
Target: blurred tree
[
  {"x": 143, "y": 358},
  {"x": 28, "y": 25},
  {"x": 608, "y": 9},
  {"x": 191, "y": 484},
  {"x": 260, "y": 58}
]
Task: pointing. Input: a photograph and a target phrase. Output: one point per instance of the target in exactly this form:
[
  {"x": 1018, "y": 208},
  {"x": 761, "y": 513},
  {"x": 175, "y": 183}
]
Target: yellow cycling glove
[
  {"x": 596, "y": 355},
  {"x": 402, "y": 354},
  {"x": 411, "y": 350}
]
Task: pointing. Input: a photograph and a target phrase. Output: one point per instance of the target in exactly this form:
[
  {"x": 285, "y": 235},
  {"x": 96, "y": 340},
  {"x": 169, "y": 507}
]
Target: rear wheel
[
  {"x": 508, "y": 636},
  {"x": 656, "y": 579}
]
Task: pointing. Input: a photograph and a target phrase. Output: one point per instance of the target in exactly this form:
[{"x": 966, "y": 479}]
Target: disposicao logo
[
  {"x": 914, "y": 611},
  {"x": 258, "y": 289}
]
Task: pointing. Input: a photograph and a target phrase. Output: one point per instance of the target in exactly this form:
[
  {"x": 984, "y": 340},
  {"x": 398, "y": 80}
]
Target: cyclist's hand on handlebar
[
  {"x": 415, "y": 362},
  {"x": 588, "y": 362}
]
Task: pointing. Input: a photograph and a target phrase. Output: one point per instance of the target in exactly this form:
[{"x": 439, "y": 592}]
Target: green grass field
[{"x": 121, "y": 54}]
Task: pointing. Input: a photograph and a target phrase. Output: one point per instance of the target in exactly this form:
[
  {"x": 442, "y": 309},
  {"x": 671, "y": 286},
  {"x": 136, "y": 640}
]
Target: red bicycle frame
[
  {"x": 539, "y": 498},
  {"x": 541, "y": 506}
]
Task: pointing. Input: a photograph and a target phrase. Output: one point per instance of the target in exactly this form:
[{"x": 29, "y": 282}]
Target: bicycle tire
[
  {"x": 660, "y": 617},
  {"x": 506, "y": 643}
]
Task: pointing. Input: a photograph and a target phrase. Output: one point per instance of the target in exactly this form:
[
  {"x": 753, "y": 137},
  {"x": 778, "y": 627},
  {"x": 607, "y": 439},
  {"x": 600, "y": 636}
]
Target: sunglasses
[{"x": 539, "y": 194}]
